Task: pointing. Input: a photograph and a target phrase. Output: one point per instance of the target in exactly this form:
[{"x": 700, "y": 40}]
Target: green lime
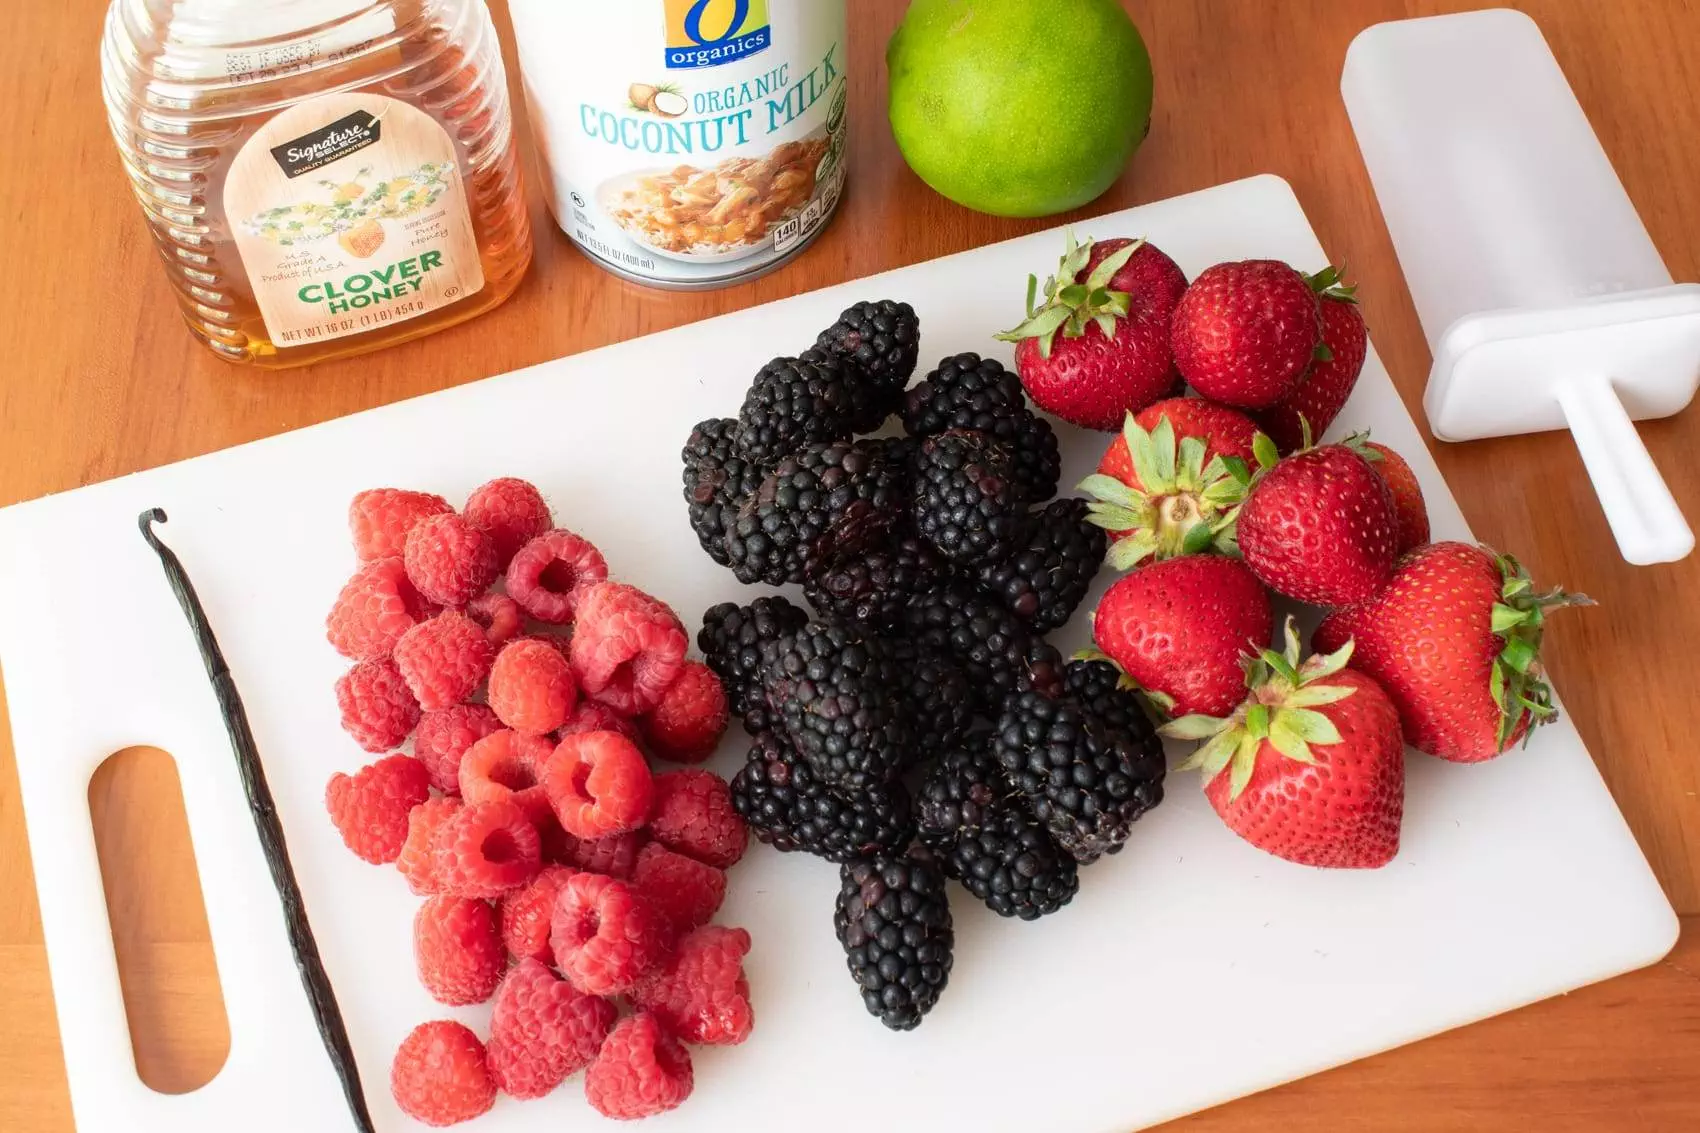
[{"x": 1017, "y": 107}]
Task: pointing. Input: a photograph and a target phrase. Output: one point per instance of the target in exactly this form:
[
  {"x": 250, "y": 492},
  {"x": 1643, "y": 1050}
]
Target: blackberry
[
  {"x": 839, "y": 698},
  {"x": 793, "y": 402},
  {"x": 821, "y": 504},
  {"x": 935, "y": 695},
  {"x": 984, "y": 638},
  {"x": 874, "y": 586},
  {"x": 1045, "y": 579},
  {"x": 1041, "y": 668},
  {"x": 893, "y": 920},
  {"x": 977, "y": 824},
  {"x": 1086, "y": 778},
  {"x": 966, "y": 505},
  {"x": 970, "y": 392},
  {"x": 787, "y": 806},
  {"x": 872, "y": 401},
  {"x": 899, "y": 450},
  {"x": 731, "y": 639},
  {"x": 717, "y": 479},
  {"x": 881, "y": 336},
  {"x": 1099, "y": 686},
  {"x": 961, "y": 388}
]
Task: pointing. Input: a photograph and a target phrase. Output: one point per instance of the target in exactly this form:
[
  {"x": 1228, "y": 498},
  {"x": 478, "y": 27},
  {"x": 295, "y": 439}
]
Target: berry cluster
[
  {"x": 934, "y": 565},
  {"x": 1220, "y": 500},
  {"x": 564, "y": 882}
]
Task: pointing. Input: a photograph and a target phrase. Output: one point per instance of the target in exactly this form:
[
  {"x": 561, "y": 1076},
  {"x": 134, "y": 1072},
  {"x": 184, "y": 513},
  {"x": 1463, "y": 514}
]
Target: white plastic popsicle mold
[{"x": 1544, "y": 301}]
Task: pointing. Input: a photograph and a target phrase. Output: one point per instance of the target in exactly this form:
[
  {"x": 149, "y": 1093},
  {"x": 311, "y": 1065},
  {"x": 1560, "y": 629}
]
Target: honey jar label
[{"x": 350, "y": 214}]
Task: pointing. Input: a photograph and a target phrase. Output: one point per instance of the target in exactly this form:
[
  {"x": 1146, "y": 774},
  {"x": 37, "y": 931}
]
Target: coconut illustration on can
[
  {"x": 661, "y": 99},
  {"x": 668, "y": 103}
]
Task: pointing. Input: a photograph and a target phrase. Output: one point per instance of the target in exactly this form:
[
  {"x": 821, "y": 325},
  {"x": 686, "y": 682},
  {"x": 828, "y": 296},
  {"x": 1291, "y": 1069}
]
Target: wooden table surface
[{"x": 100, "y": 379}]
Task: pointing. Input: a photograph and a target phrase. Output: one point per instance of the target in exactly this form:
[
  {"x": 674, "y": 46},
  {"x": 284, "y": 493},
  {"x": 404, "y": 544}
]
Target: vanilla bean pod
[{"x": 326, "y": 1014}]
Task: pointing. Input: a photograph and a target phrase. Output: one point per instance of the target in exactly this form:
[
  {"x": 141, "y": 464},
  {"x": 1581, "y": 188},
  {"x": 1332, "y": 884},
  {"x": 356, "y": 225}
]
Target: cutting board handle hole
[{"x": 172, "y": 998}]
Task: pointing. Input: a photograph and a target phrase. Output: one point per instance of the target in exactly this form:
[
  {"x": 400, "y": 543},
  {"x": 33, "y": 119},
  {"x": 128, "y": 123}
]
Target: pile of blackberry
[{"x": 913, "y": 725}]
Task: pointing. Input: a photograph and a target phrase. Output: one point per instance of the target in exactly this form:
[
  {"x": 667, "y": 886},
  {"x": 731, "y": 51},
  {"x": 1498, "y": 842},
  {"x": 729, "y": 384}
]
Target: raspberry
[
  {"x": 592, "y": 716},
  {"x": 445, "y": 659},
  {"x": 684, "y": 891},
  {"x": 511, "y": 512},
  {"x": 370, "y": 808},
  {"x": 549, "y": 575},
  {"x": 531, "y": 687},
  {"x": 439, "y": 1077},
  {"x": 503, "y": 766},
  {"x": 507, "y": 765},
  {"x": 375, "y": 608},
  {"x": 598, "y": 784},
  {"x": 377, "y": 710},
  {"x": 605, "y": 935},
  {"x": 693, "y": 815},
  {"x": 554, "y": 843},
  {"x": 641, "y": 1071},
  {"x": 542, "y": 1030},
  {"x": 486, "y": 849},
  {"x": 627, "y": 647},
  {"x": 458, "y": 950},
  {"x": 612, "y": 857},
  {"x": 499, "y": 615},
  {"x": 418, "y": 861},
  {"x": 443, "y": 736},
  {"x": 527, "y": 912},
  {"x": 687, "y": 724},
  {"x": 379, "y": 519},
  {"x": 450, "y": 561},
  {"x": 702, "y": 996},
  {"x": 559, "y": 644}
]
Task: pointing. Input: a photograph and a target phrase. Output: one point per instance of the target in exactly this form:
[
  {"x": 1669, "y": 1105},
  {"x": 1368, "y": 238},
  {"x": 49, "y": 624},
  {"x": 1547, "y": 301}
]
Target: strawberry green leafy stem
[
  {"x": 1519, "y": 618},
  {"x": 1330, "y": 283},
  {"x": 1280, "y": 709},
  {"x": 1268, "y": 456},
  {"x": 1070, "y": 306},
  {"x": 1185, "y": 507}
]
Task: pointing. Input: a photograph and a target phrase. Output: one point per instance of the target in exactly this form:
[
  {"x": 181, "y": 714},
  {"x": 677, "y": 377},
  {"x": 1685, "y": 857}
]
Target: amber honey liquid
[{"x": 206, "y": 98}]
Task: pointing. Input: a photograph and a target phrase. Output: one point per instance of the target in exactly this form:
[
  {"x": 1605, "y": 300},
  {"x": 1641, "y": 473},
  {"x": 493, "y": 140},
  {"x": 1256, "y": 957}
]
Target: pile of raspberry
[{"x": 564, "y": 882}]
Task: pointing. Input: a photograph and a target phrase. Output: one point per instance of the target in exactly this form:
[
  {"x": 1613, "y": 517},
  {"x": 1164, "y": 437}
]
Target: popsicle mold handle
[{"x": 1645, "y": 521}]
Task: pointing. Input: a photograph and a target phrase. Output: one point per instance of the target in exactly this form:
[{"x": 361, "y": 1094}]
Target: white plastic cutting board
[{"x": 1190, "y": 970}]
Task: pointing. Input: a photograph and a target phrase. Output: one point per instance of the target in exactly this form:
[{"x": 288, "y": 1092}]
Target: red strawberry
[
  {"x": 1319, "y": 526},
  {"x": 1311, "y": 766},
  {"x": 1180, "y": 628},
  {"x": 1455, "y": 637},
  {"x": 1408, "y": 503},
  {"x": 1321, "y": 391},
  {"x": 1111, "y": 303},
  {"x": 1160, "y": 490},
  {"x": 1225, "y": 432},
  {"x": 1244, "y": 332}
]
